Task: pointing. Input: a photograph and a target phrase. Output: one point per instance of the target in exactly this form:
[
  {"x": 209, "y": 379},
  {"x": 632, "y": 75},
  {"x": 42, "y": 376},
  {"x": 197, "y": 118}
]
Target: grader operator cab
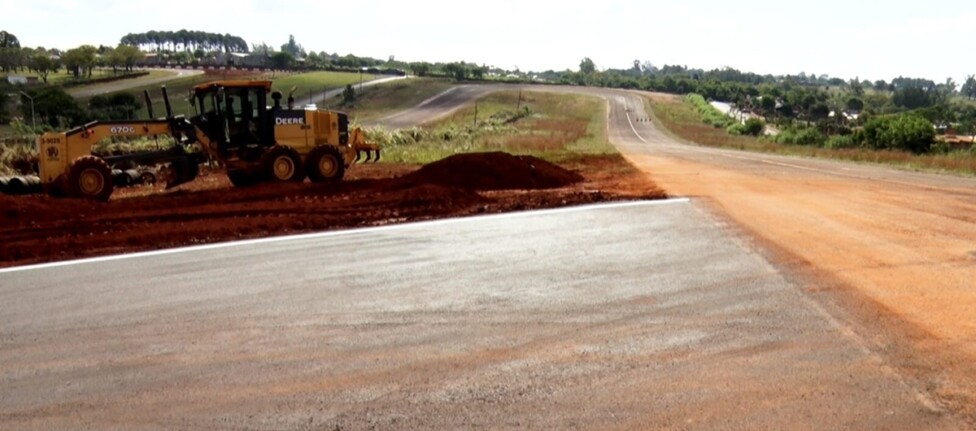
[{"x": 233, "y": 124}]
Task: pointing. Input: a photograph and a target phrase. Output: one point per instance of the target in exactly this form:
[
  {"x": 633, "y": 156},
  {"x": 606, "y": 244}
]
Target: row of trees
[
  {"x": 587, "y": 72},
  {"x": 80, "y": 61},
  {"x": 194, "y": 47},
  {"x": 293, "y": 55},
  {"x": 86, "y": 57},
  {"x": 185, "y": 40}
]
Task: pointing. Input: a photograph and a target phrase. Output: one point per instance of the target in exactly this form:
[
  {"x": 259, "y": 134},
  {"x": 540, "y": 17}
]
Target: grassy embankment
[
  {"x": 378, "y": 101},
  {"x": 555, "y": 127},
  {"x": 681, "y": 120},
  {"x": 315, "y": 83}
]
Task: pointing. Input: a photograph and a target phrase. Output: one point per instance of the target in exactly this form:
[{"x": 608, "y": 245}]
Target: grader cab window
[
  {"x": 245, "y": 115},
  {"x": 204, "y": 104},
  {"x": 209, "y": 114}
]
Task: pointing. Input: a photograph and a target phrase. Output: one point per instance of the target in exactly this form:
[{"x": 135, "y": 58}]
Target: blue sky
[{"x": 871, "y": 40}]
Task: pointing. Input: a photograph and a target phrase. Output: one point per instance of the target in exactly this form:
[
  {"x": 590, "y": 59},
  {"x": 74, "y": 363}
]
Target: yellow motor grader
[{"x": 256, "y": 139}]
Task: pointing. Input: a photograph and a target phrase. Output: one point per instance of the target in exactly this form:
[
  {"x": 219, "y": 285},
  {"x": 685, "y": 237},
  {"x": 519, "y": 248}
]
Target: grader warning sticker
[{"x": 52, "y": 152}]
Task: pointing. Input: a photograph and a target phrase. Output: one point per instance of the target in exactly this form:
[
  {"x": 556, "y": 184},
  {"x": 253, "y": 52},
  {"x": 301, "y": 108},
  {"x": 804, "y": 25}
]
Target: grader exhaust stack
[
  {"x": 149, "y": 107},
  {"x": 169, "y": 108}
]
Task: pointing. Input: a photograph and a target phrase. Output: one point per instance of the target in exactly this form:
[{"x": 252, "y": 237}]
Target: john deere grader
[{"x": 233, "y": 124}]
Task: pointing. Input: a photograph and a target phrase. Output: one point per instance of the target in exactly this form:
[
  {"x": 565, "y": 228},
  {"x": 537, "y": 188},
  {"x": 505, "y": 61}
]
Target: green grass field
[
  {"x": 380, "y": 100},
  {"x": 554, "y": 127},
  {"x": 679, "y": 118},
  {"x": 315, "y": 83}
]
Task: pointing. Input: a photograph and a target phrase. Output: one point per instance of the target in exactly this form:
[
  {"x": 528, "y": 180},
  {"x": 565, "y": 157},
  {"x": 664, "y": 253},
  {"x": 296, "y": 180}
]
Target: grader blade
[{"x": 181, "y": 171}]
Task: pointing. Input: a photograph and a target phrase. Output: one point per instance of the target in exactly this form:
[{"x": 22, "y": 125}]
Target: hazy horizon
[{"x": 841, "y": 39}]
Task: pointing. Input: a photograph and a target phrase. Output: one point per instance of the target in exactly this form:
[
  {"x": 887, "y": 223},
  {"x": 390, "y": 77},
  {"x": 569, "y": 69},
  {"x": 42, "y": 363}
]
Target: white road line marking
[
  {"x": 335, "y": 233},
  {"x": 436, "y": 96},
  {"x": 627, "y": 113}
]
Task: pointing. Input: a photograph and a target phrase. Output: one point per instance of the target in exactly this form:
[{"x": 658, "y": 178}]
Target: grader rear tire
[
  {"x": 325, "y": 164},
  {"x": 90, "y": 178}
]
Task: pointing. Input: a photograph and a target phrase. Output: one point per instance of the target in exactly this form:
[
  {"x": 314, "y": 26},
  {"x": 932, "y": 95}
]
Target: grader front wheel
[{"x": 90, "y": 178}]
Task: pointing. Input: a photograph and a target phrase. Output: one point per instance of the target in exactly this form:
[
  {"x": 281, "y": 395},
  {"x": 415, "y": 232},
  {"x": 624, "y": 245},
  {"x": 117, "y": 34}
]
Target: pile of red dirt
[{"x": 494, "y": 171}]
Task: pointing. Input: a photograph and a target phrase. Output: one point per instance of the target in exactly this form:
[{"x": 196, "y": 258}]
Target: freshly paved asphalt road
[{"x": 641, "y": 316}]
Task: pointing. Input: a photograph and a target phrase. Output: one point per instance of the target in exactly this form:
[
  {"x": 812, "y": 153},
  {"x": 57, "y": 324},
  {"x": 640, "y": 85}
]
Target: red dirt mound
[{"x": 494, "y": 171}]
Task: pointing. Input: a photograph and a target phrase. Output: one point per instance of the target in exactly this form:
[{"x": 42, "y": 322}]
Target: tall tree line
[{"x": 185, "y": 40}]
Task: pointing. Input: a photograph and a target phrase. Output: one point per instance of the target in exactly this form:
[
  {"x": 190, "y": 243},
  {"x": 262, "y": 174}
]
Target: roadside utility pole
[{"x": 33, "y": 119}]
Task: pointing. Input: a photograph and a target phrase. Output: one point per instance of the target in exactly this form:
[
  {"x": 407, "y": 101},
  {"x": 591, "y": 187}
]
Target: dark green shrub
[
  {"x": 754, "y": 127},
  {"x": 736, "y": 129},
  {"x": 709, "y": 114},
  {"x": 801, "y": 136},
  {"x": 906, "y": 132}
]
